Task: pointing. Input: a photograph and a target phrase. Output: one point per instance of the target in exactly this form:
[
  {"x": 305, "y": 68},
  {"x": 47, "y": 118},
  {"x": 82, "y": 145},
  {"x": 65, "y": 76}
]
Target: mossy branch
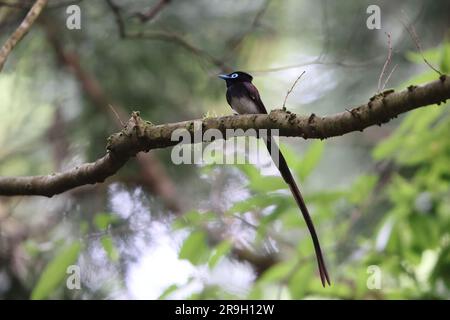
[{"x": 139, "y": 135}]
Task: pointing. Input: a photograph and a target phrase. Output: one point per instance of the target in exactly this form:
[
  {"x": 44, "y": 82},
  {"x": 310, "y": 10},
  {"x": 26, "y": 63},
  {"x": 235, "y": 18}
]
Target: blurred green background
[{"x": 380, "y": 198}]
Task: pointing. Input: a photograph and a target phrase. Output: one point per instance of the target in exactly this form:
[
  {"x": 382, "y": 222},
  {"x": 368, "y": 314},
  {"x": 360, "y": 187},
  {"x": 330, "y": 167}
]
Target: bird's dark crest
[{"x": 243, "y": 76}]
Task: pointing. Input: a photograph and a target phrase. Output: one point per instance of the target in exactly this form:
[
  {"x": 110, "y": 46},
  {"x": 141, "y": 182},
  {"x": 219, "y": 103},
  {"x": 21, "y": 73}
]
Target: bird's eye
[{"x": 234, "y": 75}]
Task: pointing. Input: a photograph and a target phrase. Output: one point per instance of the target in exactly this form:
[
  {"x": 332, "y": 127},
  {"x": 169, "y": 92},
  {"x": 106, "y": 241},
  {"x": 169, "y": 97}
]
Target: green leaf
[
  {"x": 310, "y": 159},
  {"x": 267, "y": 183},
  {"x": 259, "y": 183},
  {"x": 278, "y": 272},
  {"x": 412, "y": 135},
  {"x": 249, "y": 170},
  {"x": 325, "y": 197},
  {"x": 169, "y": 290},
  {"x": 442, "y": 266},
  {"x": 292, "y": 219},
  {"x": 425, "y": 230},
  {"x": 299, "y": 282},
  {"x": 421, "y": 78},
  {"x": 31, "y": 247},
  {"x": 193, "y": 218},
  {"x": 362, "y": 188},
  {"x": 256, "y": 293},
  {"x": 221, "y": 250},
  {"x": 432, "y": 56},
  {"x": 110, "y": 249},
  {"x": 445, "y": 58},
  {"x": 292, "y": 157},
  {"x": 266, "y": 220},
  {"x": 402, "y": 192},
  {"x": 258, "y": 201},
  {"x": 103, "y": 220},
  {"x": 195, "y": 248},
  {"x": 246, "y": 205},
  {"x": 55, "y": 271}
]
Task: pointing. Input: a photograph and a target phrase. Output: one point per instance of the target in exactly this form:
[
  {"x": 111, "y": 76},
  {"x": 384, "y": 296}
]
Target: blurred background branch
[{"x": 20, "y": 32}]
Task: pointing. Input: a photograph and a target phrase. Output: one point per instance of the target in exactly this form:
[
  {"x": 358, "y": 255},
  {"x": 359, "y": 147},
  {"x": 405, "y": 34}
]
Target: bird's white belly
[{"x": 244, "y": 105}]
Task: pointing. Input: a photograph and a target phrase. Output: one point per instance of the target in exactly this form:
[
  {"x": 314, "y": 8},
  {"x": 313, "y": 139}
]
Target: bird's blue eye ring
[{"x": 234, "y": 75}]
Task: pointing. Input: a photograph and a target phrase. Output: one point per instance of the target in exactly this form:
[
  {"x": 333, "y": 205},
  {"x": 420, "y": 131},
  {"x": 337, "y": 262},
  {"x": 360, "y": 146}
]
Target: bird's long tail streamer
[{"x": 280, "y": 162}]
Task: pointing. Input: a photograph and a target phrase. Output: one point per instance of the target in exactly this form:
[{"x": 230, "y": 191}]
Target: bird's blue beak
[{"x": 224, "y": 76}]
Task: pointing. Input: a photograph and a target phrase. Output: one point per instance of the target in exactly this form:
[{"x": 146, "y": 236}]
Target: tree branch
[
  {"x": 153, "y": 11},
  {"x": 118, "y": 17},
  {"x": 26, "y": 4},
  {"x": 182, "y": 42},
  {"x": 236, "y": 42},
  {"x": 152, "y": 172},
  {"x": 139, "y": 135},
  {"x": 166, "y": 36},
  {"x": 21, "y": 31}
]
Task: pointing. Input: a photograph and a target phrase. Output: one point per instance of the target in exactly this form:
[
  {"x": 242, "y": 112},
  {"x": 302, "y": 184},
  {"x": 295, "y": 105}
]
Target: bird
[{"x": 244, "y": 98}]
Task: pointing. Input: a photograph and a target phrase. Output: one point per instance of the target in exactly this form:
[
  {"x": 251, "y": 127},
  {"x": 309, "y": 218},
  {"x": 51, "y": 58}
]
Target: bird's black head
[{"x": 235, "y": 77}]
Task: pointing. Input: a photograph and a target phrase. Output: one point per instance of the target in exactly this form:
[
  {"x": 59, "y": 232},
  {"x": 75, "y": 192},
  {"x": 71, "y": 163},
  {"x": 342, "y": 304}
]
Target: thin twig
[
  {"x": 118, "y": 16},
  {"x": 116, "y": 114},
  {"x": 21, "y": 31},
  {"x": 386, "y": 63},
  {"x": 292, "y": 88},
  {"x": 317, "y": 61},
  {"x": 236, "y": 42},
  {"x": 180, "y": 41},
  {"x": 152, "y": 173},
  {"x": 415, "y": 38},
  {"x": 388, "y": 77},
  {"x": 151, "y": 13},
  {"x": 16, "y": 5},
  {"x": 164, "y": 36},
  {"x": 26, "y": 4}
]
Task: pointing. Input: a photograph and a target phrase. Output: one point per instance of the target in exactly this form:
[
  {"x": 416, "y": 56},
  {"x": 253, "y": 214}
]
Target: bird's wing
[
  {"x": 254, "y": 95},
  {"x": 228, "y": 95}
]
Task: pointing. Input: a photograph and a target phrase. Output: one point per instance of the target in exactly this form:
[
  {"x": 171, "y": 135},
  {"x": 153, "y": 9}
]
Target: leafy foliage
[
  {"x": 195, "y": 248},
  {"x": 54, "y": 273}
]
